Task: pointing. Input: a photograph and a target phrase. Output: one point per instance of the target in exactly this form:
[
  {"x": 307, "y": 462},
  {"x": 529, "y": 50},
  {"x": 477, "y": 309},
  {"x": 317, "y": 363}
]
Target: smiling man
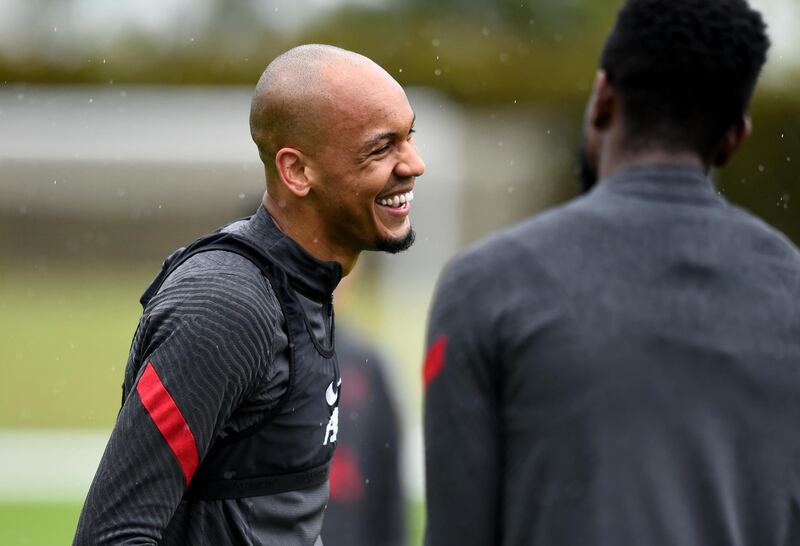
[
  {"x": 229, "y": 415},
  {"x": 343, "y": 150}
]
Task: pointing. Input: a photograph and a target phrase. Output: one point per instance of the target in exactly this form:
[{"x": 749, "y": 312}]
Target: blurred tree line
[{"x": 495, "y": 53}]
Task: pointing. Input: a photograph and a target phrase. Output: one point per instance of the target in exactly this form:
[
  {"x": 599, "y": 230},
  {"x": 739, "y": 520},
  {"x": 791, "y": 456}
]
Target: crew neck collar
[{"x": 661, "y": 180}]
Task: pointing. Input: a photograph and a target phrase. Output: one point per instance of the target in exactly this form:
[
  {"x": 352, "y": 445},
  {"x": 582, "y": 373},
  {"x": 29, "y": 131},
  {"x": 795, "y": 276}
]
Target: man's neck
[
  {"x": 307, "y": 234},
  {"x": 619, "y": 162}
]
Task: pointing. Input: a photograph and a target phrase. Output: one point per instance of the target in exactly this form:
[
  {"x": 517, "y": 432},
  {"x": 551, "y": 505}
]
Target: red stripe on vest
[
  {"x": 169, "y": 420},
  {"x": 434, "y": 360}
]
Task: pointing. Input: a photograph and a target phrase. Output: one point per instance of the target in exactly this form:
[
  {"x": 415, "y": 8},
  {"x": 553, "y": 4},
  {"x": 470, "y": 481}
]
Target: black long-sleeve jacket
[{"x": 210, "y": 357}]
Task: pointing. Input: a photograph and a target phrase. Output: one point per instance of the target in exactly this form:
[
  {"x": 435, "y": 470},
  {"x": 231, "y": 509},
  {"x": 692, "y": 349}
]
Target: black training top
[
  {"x": 624, "y": 369},
  {"x": 209, "y": 359}
]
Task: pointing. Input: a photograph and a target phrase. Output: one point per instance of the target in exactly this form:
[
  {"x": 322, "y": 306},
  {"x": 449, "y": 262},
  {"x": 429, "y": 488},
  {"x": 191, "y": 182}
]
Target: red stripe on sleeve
[
  {"x": 434, "y": 360},
  {"x": 169, "y": 420}
]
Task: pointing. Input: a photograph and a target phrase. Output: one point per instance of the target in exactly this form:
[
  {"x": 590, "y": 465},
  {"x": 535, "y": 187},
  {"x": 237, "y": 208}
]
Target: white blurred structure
[
  {"x": 126, "y": 152},
  {"x": 48, "y": 465},
  {"x": 145, "y": 169},
  {"x": 141, "y": 155}
]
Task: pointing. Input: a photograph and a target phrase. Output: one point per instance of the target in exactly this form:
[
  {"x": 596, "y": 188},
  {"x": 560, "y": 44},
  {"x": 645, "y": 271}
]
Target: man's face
[{"x": 365, "y": 171}]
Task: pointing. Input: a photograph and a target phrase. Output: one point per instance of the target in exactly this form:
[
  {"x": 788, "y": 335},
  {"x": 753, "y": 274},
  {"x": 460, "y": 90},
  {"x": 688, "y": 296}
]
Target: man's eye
[
  {"x": 381, "y": 150},
  {"x": 411, "y": 134}
]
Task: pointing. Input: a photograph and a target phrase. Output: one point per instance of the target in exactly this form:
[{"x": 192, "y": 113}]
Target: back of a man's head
[{"x": 685, "y": 70}]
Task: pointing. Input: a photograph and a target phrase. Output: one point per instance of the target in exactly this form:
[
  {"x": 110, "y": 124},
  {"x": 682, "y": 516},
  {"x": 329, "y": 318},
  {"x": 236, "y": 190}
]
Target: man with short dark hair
[
  {"x": 625, "y": 369},
  {"x": 229, "y": 414}
]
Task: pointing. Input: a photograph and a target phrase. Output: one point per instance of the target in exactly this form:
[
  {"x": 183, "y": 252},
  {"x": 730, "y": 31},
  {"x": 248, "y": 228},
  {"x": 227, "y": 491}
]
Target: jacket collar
[
  {"x": 311, "y": 277},
  {"x": 664, "y": 182}
]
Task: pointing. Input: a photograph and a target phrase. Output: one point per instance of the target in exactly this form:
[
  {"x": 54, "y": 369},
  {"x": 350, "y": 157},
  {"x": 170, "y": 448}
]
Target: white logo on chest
[{"x": 332, "y": 430}]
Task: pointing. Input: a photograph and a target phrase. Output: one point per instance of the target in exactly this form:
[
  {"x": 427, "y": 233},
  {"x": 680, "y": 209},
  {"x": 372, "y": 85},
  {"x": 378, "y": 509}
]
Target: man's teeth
[{"x": 397, "y": 200}]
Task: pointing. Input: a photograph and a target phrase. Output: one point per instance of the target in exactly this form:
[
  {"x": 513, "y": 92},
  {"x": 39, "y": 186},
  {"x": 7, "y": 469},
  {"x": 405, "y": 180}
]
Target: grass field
[
  {"x": 38, "y": 523},
  {"x": 66, "y": 337},
  {"x": 66, "y": 334}
]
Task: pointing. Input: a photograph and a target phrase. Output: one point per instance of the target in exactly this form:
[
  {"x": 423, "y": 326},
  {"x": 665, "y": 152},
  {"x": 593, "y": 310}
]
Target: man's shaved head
[
  {"x": 294, "y": 97},
  {"x": 334, "y": 131}
]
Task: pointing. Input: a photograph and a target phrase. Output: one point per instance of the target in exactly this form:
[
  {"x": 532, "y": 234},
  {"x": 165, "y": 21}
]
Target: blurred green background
[{"x": 86, "y": 214}]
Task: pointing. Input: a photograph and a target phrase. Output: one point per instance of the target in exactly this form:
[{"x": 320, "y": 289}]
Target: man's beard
[
  {"x": 393, "y": 246},
  {"x": 587, "y": 173}
]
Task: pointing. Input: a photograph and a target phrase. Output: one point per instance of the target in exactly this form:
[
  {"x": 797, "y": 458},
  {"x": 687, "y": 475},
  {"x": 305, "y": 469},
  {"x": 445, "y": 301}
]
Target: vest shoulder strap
[{"x": 216, "y": 241}]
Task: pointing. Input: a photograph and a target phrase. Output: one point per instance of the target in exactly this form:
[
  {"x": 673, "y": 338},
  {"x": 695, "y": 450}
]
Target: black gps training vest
[{"x": 291, "y": 447}]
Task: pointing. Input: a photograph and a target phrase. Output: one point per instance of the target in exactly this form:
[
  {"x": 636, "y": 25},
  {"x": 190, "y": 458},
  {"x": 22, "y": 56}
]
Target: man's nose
[{"x": 411, "y": 164}]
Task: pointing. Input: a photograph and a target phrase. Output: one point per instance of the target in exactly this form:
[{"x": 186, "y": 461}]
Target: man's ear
[
  {"x": 734, "y": 138},
  {"x": 292, "y": 165},
  {"x": 603, "y": 104}
]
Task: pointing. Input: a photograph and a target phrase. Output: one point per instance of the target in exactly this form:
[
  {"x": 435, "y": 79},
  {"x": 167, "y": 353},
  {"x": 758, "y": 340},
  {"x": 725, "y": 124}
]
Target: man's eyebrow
[{"x": 390, "y": 135}]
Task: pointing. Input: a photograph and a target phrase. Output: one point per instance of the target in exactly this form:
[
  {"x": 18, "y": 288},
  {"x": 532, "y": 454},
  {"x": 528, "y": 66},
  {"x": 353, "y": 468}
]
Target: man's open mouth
[{"x": 396, "y": 201}]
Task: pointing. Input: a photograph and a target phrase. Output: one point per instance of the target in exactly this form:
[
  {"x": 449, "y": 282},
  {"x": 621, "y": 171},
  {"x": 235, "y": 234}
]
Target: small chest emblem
[{"x": 331, "y": 397}]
